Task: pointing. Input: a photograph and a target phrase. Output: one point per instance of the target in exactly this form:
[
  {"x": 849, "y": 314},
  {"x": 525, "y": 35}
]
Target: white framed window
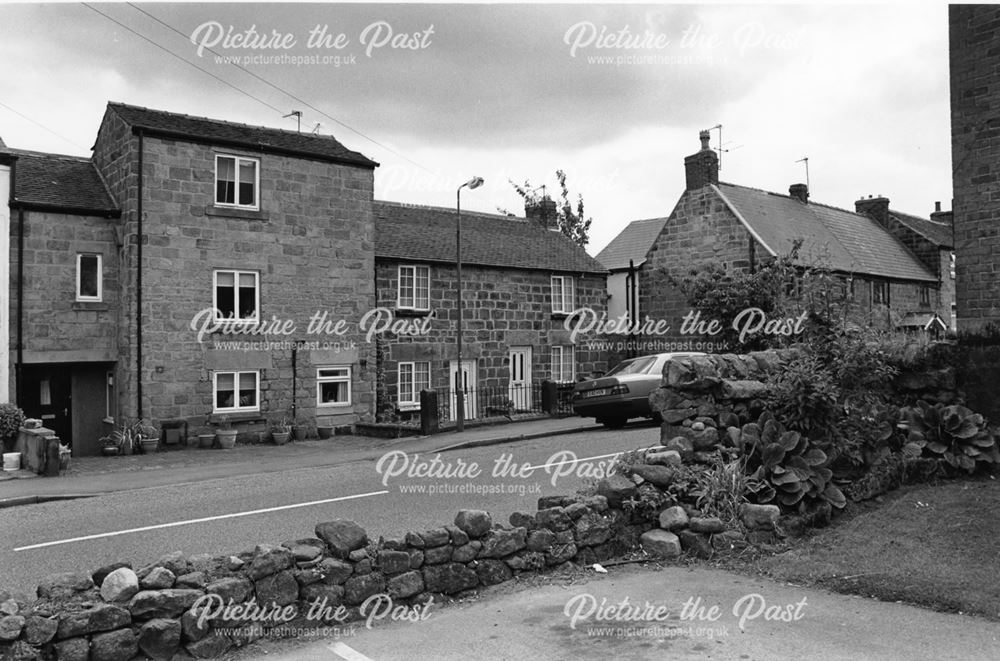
[
  {"x": 951, "y": 269},
  {"x": 411, "y": 379},
  {"x": 563, "y": 363},
  {"x": 89, "y": 277},
  {"x": 414, "y": 288},
  {"x": 237, "y": 181},
  {"x": 236, "y": 391},
  {"x": 236, "y": 295},
  {"x": 333, "y": 386},
  {"x": 562, "y": 294}
]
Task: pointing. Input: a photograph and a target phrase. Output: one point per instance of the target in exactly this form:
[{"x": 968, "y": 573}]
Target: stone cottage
[
  {"x": 521, "y": 279},
  {"x": 176, "y": 274},
  {"x": 893, "y": 266}
]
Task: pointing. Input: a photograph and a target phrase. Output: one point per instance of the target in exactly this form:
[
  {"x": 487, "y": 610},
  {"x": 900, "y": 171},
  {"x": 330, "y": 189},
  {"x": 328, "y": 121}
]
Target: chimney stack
[
  {"x": 702, "y": 169},
  {"x": 946, "y": 217},
  {"x": 876, "y": 208},
  {"x": 544, "y": 212},
  {"x": 800, "y": 192}
]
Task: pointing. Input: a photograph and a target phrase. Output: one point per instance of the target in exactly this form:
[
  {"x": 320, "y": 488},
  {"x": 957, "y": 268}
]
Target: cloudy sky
[{"x": 613, "y": 94}]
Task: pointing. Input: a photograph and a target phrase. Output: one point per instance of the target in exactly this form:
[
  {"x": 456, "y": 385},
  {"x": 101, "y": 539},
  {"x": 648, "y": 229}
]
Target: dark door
[{"x": 47, "y": 396}]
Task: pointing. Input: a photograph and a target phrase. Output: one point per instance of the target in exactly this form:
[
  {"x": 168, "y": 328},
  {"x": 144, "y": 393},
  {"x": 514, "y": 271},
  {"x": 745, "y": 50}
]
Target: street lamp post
[{"x": 475, "y": 182}]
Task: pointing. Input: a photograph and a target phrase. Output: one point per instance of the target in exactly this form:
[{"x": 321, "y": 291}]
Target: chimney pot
[
  {"x": 800, "y": 192},
  {"x": 702, "y": 168},
  {"x": 937, "y": 207}
]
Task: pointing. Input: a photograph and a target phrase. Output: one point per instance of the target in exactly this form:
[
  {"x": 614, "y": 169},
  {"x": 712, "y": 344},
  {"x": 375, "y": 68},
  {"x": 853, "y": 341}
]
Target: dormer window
[{"x": 237, "y": 182}]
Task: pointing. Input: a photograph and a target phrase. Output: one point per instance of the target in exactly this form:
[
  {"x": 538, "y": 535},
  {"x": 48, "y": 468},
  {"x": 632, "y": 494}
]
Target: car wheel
[{"x": 615, "y": 423}]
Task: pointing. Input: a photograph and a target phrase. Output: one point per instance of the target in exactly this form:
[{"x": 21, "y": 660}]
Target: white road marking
[
  {"x": 202, "y": 520},
  {"x": 345, "y": 652},
  {"x": 576, "y": 461}
]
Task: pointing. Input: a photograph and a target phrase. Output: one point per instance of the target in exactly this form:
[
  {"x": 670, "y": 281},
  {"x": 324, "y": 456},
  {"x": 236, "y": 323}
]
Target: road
[{"x": 235, "y": 514}]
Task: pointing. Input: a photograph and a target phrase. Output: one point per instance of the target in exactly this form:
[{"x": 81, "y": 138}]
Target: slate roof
[
  {"x": 64, "y": 182},
  {"x": 216, "y": 131},
  {"x": 940, "y": 234},
  {"x": 424, "y": 233},
  {"x": 835, "y": 238},
  {"x": 633, "y": 243}
]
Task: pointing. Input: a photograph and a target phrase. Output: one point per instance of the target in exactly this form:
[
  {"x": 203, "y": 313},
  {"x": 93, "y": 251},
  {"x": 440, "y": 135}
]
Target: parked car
[{"x": 623, "y": 392}]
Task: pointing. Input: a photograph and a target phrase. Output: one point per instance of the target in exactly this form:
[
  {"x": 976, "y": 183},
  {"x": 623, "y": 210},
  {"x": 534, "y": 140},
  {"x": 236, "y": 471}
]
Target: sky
[{"x": 614, "y": 95}]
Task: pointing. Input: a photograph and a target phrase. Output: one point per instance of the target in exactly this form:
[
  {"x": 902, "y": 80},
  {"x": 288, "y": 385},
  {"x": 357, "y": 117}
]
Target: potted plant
[
  {"x": 302, "y": 428},
  {"x": 280, "y": 431},
  {"x": 127, "y": 435},
  {"x": 324, "y": 431},
  {"x": 149, "y": 437},
  {"x": 109, "y": 447},
  {"x": 226, "y": 433}
]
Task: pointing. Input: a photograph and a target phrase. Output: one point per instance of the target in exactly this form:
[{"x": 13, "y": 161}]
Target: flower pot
[
  {"x": 325, "y": 432},
  {"x": 149, "y": 445},
  {"x": 12, "y": 462},
  {"x": 300, "y": 433},
  {"x": 109, "y": 450},
  {"x": 280, "y": 437},
  {"x": 206, "y": 440},
  {"x": 227, "y": 438}
]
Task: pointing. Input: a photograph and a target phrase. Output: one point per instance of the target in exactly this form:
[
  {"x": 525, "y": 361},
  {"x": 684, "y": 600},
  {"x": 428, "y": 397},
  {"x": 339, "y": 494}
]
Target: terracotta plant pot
[
  {"x": 206, "y": 440},
  {"x": 300, "y": 433},
  {"x": 227, "y": 438},
  {"x": 280, "y": 437},
  {"x": 109, "y": 450},
  {"x": 149, "y": 445},
  {"x": 325, "y": 432}
]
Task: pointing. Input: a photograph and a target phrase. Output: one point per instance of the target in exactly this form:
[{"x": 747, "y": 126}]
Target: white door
[
  {"x": 467, "y": 379},
  {"x": 520, "y": 378}
]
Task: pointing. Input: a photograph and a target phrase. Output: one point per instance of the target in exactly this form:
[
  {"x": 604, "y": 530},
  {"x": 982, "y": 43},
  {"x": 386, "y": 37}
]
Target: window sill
[
  {"x": 333, "y": 407},
  {"x": 408, "y": 407},
  {"x": 90, "y": 306},
  {"x": 234, "y": 417},
  {"x": 235, "y": 212},
  {"x": 559, "y": 316},
  {"x": 412, "y": 312}
]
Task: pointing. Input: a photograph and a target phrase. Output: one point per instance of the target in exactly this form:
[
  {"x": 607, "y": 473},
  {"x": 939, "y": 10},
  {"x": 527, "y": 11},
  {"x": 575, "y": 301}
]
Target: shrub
[
  {"x": 11, "y": 420},
  {"x": 804, "y": 397},
  {"x": 953, "y": 434},
  {"x": 790, "y": 471}
]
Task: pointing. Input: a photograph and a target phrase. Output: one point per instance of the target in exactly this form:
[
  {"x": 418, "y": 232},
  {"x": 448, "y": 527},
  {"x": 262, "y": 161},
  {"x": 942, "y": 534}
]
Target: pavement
[
  {"x": 653, "y": 612},
  {"x": 92, "y": 476}
]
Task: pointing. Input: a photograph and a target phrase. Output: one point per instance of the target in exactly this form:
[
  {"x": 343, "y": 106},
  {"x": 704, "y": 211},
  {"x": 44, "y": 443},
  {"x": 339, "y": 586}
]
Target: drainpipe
[
  {"x": 630, "y": 305},
  {"x": 295, "y": 378},
  {"x": 138, "y": 289}
]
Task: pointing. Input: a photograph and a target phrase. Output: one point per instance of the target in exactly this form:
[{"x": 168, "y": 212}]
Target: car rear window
[{"x": 634, "y": 366}]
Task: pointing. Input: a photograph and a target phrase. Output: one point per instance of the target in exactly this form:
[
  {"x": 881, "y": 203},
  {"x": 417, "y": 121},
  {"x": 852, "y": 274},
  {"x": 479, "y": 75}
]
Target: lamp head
[{"x": 475, "y": 182}]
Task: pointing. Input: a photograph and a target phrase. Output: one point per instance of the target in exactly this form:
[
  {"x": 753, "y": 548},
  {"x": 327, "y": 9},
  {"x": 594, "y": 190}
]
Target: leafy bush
[
  {"x": 953, "y": 434},
  {"x": 11, "y": 419},
  {"x": 722, "y": 489},
  {"x": 789, "y": 469},
  {"x": 804, "y": 397}
]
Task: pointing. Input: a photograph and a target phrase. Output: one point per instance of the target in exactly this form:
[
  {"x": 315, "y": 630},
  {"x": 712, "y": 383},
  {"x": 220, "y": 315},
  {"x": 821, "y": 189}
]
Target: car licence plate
[{"x": 599, "y": 392}]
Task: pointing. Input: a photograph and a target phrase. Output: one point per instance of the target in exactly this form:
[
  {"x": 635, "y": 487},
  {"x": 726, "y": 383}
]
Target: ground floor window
[
  {"x": 111, "y": 401},
  {"x": 333, "y": 386},
  {"x": 412, "y": 378},
  {"x": 563, "y": 363},
  {"x": 237, "y": 391}
]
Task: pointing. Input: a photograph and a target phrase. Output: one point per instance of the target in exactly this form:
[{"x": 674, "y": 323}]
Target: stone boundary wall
[
  {"x": 118, "y": 613},
  {"x": 701, "y": 397}
]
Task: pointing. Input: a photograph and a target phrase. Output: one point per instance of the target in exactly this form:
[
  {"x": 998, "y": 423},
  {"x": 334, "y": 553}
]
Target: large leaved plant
[{"x": 953, "y": 434}]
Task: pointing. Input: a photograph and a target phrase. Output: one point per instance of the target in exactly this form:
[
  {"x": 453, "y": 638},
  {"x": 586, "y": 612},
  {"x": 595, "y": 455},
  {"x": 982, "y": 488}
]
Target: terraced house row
[{"x": 195, "y": 268}]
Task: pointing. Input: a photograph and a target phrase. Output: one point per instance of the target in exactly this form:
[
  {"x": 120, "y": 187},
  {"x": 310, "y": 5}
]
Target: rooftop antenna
[
  {"x": 720, "y": 148},
  {"x": 805, "y": 159},
  {"x": 298, "y": 117},
  {"x": 316, "y": 128}
]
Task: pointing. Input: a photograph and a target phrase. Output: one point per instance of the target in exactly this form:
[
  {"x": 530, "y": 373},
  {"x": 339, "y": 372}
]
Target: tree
[{"x": 569, "y": 216}]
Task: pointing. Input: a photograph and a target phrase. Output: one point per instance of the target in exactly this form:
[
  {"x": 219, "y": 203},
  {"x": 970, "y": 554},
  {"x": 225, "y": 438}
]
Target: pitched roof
[
  {"x": 423, "y": 233},
  {"x": 64, "y": 182},
  {"x": 940, "y": 234},
  {"x": 836, "y": 238},
  {"x": 632, "y": 243},
  {"x": 216, "y": 131}
]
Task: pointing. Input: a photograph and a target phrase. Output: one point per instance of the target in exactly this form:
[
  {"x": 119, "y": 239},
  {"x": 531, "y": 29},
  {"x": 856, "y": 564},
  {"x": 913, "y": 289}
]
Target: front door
[
  {"x": 466, "y": 379},
  {"x": 520, "y": 378},
  {"x": 47, "y": 396}
]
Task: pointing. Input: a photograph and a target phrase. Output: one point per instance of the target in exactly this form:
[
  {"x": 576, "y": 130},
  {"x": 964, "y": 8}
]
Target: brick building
[
  {"x": 60, "y": 243},
  {"x": 204, "y": 225},
  {"x": 521, "y": 279},
  {"x": 895, "y": 267},
  {"x": 974, "y": 36}
]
